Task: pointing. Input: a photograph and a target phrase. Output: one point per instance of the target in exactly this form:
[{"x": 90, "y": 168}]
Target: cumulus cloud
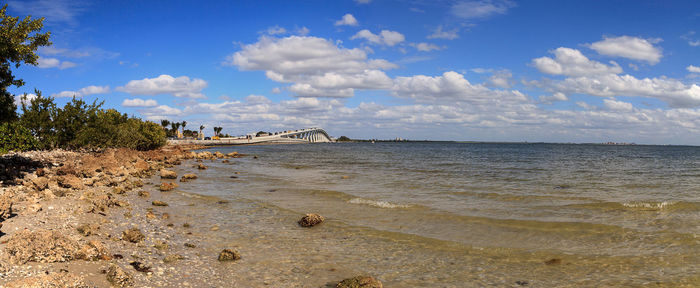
[
  {"x": 674, "y": 92},
  {"x": 165, "y": 84},
  {"x": 441, "y": 34},
  {"x": 481, "y": 8},
  {"x": 303, "y": 31},
  {"x": 385, "y": 37},
  {"x": 347, "y": 20},
  {"x": 629, "y": 47},
  {"x": 558, "y": 96},
  {"x": 317, "y": 67},
  {"x": 617, "y": 105},
  {"x": 276, "y": 30},
  {"x": 425, "y": 47},
  {"x": 451, "y": 86},
  {"x": 85, "y": 91},
  {"x": 571, "y": 62},
  {"x": 28, "y": 98},
  {"x": 138, "y": 102},
  {"x": 44, "y": 62},
  {"x": 693, "y": 69}
]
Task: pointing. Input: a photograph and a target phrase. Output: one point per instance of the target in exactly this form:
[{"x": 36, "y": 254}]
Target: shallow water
[{"x": 462, "y": 215}]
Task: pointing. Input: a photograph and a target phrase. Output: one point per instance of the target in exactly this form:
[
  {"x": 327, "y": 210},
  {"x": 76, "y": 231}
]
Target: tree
[
  {"x": 19, "y": 41},
  {"x": 164, "y": 123},
  {"x": 37, "y": 116},
  {"x": 184, "y": 123},
  {"x": 201, "y": 127},
  {"x": 217, "y": 130}
]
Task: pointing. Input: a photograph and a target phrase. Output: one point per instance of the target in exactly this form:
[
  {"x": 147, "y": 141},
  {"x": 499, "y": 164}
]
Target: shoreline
[{"x": 67, "y": 214}]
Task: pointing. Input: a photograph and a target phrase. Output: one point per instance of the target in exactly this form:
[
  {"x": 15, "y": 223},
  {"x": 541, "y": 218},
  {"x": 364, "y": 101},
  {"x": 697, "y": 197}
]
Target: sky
[{"x": 487, "y": 70}]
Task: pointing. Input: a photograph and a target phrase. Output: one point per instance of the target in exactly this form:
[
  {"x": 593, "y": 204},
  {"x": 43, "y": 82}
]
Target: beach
[{"x": 392, "y": 212}]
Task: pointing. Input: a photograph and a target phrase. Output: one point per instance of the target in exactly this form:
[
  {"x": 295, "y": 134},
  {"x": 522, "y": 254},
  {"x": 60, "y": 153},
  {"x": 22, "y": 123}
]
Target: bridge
[{"x": 308, "y": 135}]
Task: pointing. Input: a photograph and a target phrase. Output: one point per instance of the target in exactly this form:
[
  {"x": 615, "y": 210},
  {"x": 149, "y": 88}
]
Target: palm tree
[
  {"x": 173, "y": 126},
  {"x": 164, "y": 123},
  {"x": 184, "y": 123},
  {"x": 201, "y": 127},
  {"x": 217, "y": 130}
]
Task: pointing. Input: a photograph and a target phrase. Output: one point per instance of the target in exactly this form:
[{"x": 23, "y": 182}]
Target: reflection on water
[{"x": 481, "y": 213}]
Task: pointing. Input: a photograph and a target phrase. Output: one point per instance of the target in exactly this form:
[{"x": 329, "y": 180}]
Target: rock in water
[
  {"x": 167, "y": 186},
  {"x": 118, "y": 277},
  {"x": 310, "y": 220},
  {"x": 133, "y": 235},
  {"x": 159, "y": 203},
  {"x": 167, "y": 174},
  {"x": 201, "y": 166},
  {"x": 360, "y": 282},
  {"x": 188, "y": 177},
  {"x": 229, "y": 255}
]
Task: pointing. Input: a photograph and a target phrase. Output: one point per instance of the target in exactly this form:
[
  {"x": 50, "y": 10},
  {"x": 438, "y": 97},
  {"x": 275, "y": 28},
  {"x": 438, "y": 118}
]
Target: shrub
[{"x": 15, "y": 137}]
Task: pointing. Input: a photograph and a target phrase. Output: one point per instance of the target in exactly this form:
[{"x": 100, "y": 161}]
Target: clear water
[{"x": 463, "y": 215}]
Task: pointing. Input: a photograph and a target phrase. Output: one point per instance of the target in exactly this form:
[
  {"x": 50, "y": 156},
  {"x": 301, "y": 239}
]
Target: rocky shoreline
[{"x": 101, "y": 219}]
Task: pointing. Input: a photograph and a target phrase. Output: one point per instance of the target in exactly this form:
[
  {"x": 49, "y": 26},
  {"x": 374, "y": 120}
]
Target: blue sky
[{"x": 500, "y": 70}]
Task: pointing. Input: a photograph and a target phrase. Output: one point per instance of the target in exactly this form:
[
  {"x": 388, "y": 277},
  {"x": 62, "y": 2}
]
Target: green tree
[
  {"x": 14, "y": 137},
  {"x": 70, "y": 120},
  {"x": 184, "y": 123},
  {"x": 19, "y": 41},
  {"x": 37, "y": 116}
]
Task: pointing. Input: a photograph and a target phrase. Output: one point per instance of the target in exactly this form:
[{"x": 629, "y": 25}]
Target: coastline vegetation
[{"x": 42, "y": 124}]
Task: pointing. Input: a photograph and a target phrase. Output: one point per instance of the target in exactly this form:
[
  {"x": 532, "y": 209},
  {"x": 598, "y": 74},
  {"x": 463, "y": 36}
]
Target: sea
[{"x": 450, "y": 214}]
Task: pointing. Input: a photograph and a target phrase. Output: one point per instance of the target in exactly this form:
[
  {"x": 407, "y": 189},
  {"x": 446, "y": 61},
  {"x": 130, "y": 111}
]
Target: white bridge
[{"x": 308, "y": 135}]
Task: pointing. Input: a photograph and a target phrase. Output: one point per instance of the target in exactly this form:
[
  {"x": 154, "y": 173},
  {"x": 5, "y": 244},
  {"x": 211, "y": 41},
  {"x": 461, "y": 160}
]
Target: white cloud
[
  {"x": 440, "y": 34},
  {"x": 276, "y": 30},
  {"x": 481, "y": 8},
  {"x": 674, "y": 92},
  {"x": 85, "y": 91},
  {"x": 138, "y": 102},
  {"x": 44, "y": 62},
  {"x": 629, "y": 47},
  {"x": 558, "y": 96},
  {"x": 501, "y": 78},
  {"x": 55, "y": 11},
  {"x": 165, "y": 84},
  {"x": 347, "y": 20},
  {"x": 690, "y": 38},
  {"x": 317, "y": 67},
  {"x": 571, "y": 62},
  {"x": 425, "y": 47},
  {"x": 303, "y": 31},
  {"x": 617, "y": 105},
  {"x": 29, "y": 98},
  {"x": 385, "y": 37},
  {"x": 451, "y": 86},
  {"x": 693, "y": 69}
]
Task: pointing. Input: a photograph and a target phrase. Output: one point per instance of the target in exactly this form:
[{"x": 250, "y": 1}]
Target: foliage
[
  {"x": 14, "y": 137},
  {"x": 217, "y": 130},
  {"x": 18, "y": 43},
  {"x": 262, "y": 133},
  {"x": 82, "y": 125},
  {"x": 343, "y": 139}
]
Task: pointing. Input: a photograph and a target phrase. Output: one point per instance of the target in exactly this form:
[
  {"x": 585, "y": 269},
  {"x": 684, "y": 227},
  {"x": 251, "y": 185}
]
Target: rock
[
  {"x": 167, "y": 186},
  {"x": 150, "y": 215},
  {"x": 5, "y": 206},
  {"x": 190, "y": 245},
  {"x": 360, "y": 282},
  {"x": 311, "y": 220},
  {"x": 229, "y": 255},
  {"x": 40, "y": 172},
  {"x": 165, "y": 216},
  {"x": 172, "y": 258},
  {"x": 161, "y": 245},
  {"x": 140, "y": 266},
  {"x": 103, "y": 202},
  {"x": 144, "y": 194},
  {"x": 159, "y": 203},
  {"x": 118, "y": 277},
  {"x": 34, "y": 208},
  {"x": 92, "y": 251},
  {"x": 553, "y": 261},
  {"x": 345, "y": 177},
  {"x": 40, "y": 246},
  {"x": 167, "y": 174},
  {"x": 40, "y": 183},
  {"x": 70, "y": 181},
  {"x": 133, "y": 235},
  {"x": 51, "y": 280},
  {"x": 225, "y": 161},
  {"x": 201, "y": 166},
  {"x": 87, "y": 229},
  {"x": 118, "y": 190},
  {"x": 218, "y": 154},
  {"x": 188, "y": 177},
  {"x": 233, "y": 154}
]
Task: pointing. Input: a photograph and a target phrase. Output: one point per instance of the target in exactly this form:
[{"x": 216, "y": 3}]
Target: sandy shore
[{"x": 107, "y": 219}]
